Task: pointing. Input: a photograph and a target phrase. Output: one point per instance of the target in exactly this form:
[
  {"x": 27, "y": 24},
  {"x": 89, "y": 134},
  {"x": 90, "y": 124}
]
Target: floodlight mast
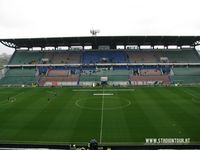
[{"x": 94, "y": 32}]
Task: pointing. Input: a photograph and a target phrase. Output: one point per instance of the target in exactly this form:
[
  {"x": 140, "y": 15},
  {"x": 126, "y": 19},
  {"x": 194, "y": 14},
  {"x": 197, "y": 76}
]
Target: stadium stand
[
  {"x": 173, "y": 56},
  {"x": 61, "y": 57},
  {"x": 59, "y": 81},
  {"x": 144, "y": 56},
  {"x": 52, "y": 57},
  {"x": 19, "y": 76},
  {"x": 186, "y": 75},
  {"x": 114, "y": 77},
  {"x": 26, "y": 57},
  {"x": 58, "y": 77},
  {"x": 186, "y": 79},
  {"x": 150, "y": 80},
  {"x": 104, "y": 57},
  {"x": 182, "y": 56},
  {"x": 186, "y": 71},
  {"x": 111, "y": 66},
  {"x": 55, "y": 73},
  {"x": 150, "y": 72}
]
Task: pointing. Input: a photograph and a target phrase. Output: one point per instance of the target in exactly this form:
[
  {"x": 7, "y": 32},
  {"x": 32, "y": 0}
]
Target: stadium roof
[{"x": 95, "y": 41}]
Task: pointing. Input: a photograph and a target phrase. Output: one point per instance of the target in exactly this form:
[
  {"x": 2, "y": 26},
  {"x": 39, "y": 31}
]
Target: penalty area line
[{"x": 12, "y": 97}]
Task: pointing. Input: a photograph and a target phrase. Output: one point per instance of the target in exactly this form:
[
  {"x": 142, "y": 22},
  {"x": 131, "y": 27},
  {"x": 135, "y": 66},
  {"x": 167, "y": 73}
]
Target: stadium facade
[{"x": 110, "y": 60}]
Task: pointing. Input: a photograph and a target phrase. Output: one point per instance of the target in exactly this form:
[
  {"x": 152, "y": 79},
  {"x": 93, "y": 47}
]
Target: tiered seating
[
  {"x": 90, "y": 78},
  {"x": 149, "y": 77},
  {"x": 186, "y": 79},
  {"x": 70, "y": 76},
  {"x": 61, "y": 57},
  {"x": 59, "y": 76},
  {"x": 182, "y": 56},
  {"x": 21, "y": 72},
  {"x": 18, "y": 80},
  {"x": 48, "y": 55},
  {"x": 113, "y": 75},
  {"x": 174, "y": 56},
  {"x": 186, "y": 75},
  {"x": 58, "y": 73},
  {"x": 26, "y": 57},
  {"x": 54, "y": 57},
  {"x": 59, "y": 80},
  {"x": 104, "y": 57},
  {"x": 179, "y": 71},
  {"x": 142, "y": 56},
  {"x": 19, "y": 76},
  {"x": 149, "y": 72},
  {"x": 89, "y": 75},
  {"x": 146, "y": 80}
]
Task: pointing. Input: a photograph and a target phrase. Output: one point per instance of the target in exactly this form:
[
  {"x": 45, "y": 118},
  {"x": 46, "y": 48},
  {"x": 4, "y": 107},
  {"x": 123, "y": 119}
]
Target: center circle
[{"x": 110, "y": 103}]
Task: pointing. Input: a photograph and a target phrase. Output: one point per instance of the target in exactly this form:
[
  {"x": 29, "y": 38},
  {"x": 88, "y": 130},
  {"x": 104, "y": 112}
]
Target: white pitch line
[
  {"x": 107, "y": 90},
  {"x": 11, "y": 97},
  {"x": 65, "y": 142},
  {"x": 101, "y": 94},
  {"x": 101, "y": 130},
  {"x": 18, "y": 94},
  {"x": 47, "y": 142},
  {"x": 194, "y": 97},
  {"x": 190, "y": 94},
  {"x": 50, "y": 92}
]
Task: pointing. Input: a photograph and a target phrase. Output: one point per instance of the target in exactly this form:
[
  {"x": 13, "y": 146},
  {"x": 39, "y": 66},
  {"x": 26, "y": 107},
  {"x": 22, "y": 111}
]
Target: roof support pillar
[
  {"x": 113, "y": 47},
  {"x": 94, "y": 46}
]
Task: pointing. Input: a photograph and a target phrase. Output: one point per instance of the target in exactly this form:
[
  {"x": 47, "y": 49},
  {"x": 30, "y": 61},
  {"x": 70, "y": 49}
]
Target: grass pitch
[{"x": 111, "y": 116}]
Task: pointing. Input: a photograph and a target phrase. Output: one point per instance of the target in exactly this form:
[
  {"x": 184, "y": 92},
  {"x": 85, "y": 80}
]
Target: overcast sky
[{"x": 55, "y": 18}]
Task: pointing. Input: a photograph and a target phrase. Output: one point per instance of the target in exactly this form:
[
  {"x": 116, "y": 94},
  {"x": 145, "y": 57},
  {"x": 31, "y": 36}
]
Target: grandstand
[
  {"x": 18, "y": 76},
  {"x": 90, "y": 57},
  {"x": 186, "y": 75},
  {"x": 111, "y": 66},
  {"x": 107, "y": 94},
  {"x": 26, "y": 57},
  {"x": 114, "y": 77}
]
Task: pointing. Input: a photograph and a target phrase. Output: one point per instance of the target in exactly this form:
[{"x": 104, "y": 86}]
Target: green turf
[{"x": 75, "y": 116}]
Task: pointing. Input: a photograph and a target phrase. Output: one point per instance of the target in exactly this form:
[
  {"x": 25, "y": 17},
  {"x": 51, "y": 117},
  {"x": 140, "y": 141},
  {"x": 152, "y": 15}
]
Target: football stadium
[{"x": 117, "y": 91}]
